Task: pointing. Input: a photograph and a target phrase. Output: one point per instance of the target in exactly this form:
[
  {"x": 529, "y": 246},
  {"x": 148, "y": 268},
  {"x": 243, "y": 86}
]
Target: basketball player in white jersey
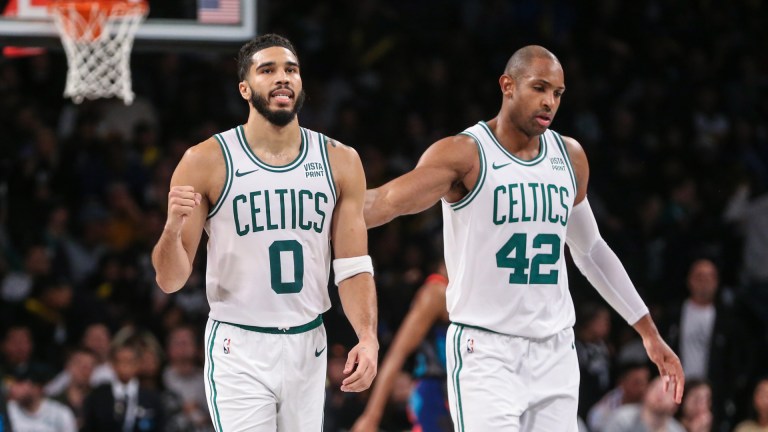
[
  {"x": 513, "y": 193},
  {"x": 272, "y": 197}
]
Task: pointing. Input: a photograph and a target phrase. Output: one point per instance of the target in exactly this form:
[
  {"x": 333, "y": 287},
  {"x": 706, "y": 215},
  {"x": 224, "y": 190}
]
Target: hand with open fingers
[
  {"x": 670, "y": 368},
  {"x": 362, "y": 363},
  {"x": 182, "y": 200}
]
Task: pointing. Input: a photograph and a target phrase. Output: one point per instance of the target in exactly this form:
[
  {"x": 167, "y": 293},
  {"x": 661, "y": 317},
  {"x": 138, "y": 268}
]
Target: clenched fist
[{"x": 182, "y": 200}]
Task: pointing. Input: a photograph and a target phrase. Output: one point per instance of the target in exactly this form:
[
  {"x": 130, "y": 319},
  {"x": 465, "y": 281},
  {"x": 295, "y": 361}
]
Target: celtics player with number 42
[
  {"x": 513, "y": 194},
  {"x": 273, "y": 197}
]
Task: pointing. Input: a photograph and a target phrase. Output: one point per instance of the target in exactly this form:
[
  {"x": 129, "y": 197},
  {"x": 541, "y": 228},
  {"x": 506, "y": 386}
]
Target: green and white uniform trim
[
  {"x": 540, "y": 157},
  {"x": 480, "y": 176},
  {"x": 504, "y": 240},
  {"x": 228, "y": 179},
  {"x": 327, "y": 164},
  {"x": 269, "y": 235},
  {"x": 255, "y": 159}
]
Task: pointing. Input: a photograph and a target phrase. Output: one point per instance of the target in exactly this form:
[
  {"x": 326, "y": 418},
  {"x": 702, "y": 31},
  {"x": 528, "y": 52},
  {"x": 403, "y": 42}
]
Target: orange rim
[
  {"x": 134, "y": 6},
  {"x": 90, "y": 16}
]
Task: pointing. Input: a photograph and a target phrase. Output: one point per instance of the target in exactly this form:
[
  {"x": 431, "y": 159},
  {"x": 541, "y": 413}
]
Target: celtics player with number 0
[
  {"x": 273, "y": 197},
  {"x": 513, "y": 194}
]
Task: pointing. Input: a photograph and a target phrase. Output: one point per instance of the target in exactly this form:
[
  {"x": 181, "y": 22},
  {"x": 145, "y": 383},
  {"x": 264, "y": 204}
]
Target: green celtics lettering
[
  {"x": 530, "y": 202},
  {"x": 279, "y": 209}
]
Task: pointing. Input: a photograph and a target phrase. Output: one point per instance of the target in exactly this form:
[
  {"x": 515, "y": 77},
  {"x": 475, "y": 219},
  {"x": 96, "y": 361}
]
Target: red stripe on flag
[{"x": 228, "y": 12}]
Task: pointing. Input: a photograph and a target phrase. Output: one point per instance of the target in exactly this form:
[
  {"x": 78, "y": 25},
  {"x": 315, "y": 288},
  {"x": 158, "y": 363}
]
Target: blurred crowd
[{"x": 668, "y": 98}]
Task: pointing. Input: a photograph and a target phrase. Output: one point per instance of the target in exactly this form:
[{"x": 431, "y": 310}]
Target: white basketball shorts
[
  {"x": 506, "y": 383},
  {"x": 261, "y": 379}
]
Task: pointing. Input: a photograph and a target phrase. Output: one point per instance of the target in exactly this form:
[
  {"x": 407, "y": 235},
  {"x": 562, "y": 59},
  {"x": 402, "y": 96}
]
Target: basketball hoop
[{"x": 98, "y": 36}]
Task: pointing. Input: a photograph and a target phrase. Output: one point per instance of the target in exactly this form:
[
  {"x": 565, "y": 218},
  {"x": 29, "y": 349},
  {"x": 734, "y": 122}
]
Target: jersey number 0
[{"x": 276, "y": 268}]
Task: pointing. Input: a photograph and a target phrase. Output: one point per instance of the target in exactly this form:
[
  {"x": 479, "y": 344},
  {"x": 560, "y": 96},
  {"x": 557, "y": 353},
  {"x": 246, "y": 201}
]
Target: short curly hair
[{"x": 269, "y": 40}]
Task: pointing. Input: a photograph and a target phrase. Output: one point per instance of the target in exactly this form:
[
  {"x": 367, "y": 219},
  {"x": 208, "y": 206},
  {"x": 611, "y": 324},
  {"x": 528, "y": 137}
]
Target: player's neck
[
  {"x": 261, "y": 134},
  {"x": 514, "y": 140}
]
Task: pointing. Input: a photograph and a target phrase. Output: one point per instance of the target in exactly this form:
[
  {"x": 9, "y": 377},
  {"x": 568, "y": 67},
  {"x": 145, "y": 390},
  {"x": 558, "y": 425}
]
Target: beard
[{"x": 279, "y": 117}]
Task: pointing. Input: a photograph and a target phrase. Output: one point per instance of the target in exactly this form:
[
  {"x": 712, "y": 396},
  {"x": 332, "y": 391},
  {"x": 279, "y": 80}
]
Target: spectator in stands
[
  {"x": 759, "y": 420},
  {"x": 747, "y": 209},
  {"x": 79, "y": 368},
  {"x": 123, "y": 405},
  {"x": 96, "y": 340},
  {"x": 16, "y": 350},
  {"x": 183, "y": 376},
  {"x": 17, "y": 286},
  {"x": 696, "y": 410},
  {"x": 701, "y": 330},
  {"x": 30, "y": 410},
  {"x": 593, "y": 326},
  {"x": 48, "y": 314},
  {"x": 632, "y": 385},
  {"x": 655, "y": 413}
]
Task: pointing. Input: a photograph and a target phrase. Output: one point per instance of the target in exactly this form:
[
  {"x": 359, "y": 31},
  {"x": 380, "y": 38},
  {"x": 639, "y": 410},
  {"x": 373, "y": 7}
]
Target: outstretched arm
[
  {"x": 447, "y": 164},
  {"x": 428, "y": 307},
  {"x": 174, "y": 253},
  {"x": 604, "y": 270},
  {"x": 358, "y": 293}
]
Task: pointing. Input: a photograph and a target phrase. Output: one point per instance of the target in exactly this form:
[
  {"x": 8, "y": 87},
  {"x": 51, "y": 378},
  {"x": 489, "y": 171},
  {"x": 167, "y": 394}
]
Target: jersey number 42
[{"x": 514, "y": 255}]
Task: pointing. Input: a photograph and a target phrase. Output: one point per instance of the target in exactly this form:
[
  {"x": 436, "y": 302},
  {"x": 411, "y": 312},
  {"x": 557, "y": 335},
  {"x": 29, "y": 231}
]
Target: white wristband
[{"x": 345, "y": 268}]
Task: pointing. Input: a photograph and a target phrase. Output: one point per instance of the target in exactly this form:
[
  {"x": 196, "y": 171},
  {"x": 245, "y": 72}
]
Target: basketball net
[{"x": 98, "y": 36}]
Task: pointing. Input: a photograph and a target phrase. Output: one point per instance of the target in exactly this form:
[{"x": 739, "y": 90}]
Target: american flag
[{"x": 218, "y": 11}]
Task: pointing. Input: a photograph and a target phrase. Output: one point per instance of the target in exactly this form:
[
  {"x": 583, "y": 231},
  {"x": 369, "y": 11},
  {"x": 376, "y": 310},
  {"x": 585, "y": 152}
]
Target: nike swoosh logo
[
  {"x": 500, "y": 165},
  {"x": 240, "y": 174},
  {"x": 317, "y": 353}
]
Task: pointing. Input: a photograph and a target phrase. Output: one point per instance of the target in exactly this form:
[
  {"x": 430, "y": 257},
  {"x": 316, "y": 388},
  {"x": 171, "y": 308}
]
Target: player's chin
[{"x": 539, "y": 128}]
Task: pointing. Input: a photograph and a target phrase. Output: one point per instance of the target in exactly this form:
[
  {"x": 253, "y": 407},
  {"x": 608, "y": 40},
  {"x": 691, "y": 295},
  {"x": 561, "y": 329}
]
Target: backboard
[{"x": 170, "y": 24}]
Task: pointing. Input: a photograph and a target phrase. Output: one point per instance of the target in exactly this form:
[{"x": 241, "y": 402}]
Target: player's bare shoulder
[
  {"x": 202, "y": 154},
  {"x": 580, "y": 165},
  {"x": 338, "y": 149},
  {"x": 203, "y": 167},
  {"x": 458, "y": 152},
  {"x": 345, "y": 161},
  {"x": 575, "y": 150}
]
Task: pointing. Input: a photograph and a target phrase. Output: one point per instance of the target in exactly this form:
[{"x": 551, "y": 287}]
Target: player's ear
[
  {"x": 245, "y": 90},
  {"x": 507, "y": 84}
]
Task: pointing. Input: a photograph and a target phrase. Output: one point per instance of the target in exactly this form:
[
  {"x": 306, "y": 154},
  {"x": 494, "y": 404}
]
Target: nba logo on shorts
[
  {"x": 470, "y": 345},
  {"x": 226, "y": 345}
]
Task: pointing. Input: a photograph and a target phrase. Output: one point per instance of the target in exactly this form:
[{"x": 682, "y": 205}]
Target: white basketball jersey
[
  {"x": 269, "y": 236},
  {"x": 504, "y": 240}
]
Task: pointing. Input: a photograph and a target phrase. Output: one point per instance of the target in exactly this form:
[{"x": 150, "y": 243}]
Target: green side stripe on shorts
[
  {"x": 453, "y": 373},
  {"x": 211, "y": 340},
  {"x": 457, "y": 371},
  {"x": 208, "y": 346}
]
